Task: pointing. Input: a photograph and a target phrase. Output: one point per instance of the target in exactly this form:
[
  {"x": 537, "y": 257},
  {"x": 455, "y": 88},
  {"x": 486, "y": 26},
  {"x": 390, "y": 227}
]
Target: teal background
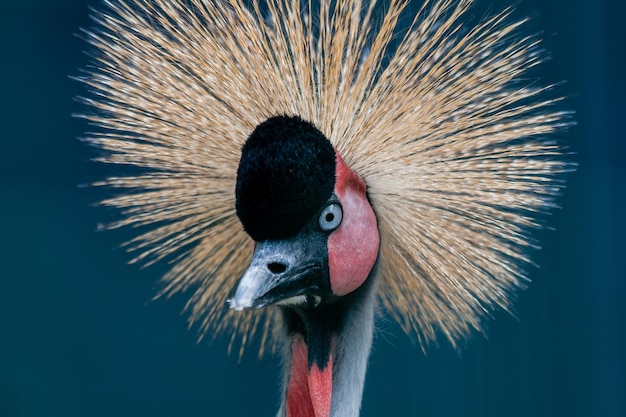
[{"x": 80, "y": 336}]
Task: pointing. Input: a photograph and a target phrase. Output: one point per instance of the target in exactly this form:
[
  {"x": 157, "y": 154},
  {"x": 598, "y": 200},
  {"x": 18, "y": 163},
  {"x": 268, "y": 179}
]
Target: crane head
[{"x": 315, "y": 232}]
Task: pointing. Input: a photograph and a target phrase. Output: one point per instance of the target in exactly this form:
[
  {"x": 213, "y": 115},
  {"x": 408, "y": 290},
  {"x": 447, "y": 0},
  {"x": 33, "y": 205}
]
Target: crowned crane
[{"x": 304, "y": 163}]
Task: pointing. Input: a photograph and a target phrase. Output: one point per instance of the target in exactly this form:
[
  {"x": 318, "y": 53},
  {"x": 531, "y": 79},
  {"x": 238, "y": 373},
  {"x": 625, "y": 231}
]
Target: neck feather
[{"x": 347, "y": 330}]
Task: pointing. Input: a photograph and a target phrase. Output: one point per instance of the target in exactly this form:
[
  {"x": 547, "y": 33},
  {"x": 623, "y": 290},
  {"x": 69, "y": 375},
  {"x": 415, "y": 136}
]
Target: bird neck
[{"x": 326, "y": 351}]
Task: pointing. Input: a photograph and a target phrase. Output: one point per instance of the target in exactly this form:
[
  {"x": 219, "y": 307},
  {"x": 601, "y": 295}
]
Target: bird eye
[{"x": 331, "y": 217}]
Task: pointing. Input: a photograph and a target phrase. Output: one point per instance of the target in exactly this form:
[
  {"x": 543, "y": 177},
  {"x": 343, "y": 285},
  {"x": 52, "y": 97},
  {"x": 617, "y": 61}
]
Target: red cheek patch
[{"x": 353, "y": 247}]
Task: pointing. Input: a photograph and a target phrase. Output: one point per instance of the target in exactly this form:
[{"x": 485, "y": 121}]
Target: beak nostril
[{"x": 276, "y": 267}]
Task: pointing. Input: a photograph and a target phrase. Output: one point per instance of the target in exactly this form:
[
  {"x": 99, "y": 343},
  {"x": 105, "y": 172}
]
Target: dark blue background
[{"x": 79, "y": 335}]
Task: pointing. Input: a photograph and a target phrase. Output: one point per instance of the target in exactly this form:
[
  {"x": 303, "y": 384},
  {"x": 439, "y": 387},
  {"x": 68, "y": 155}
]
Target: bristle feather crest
[{"x": 450, "y": 142}]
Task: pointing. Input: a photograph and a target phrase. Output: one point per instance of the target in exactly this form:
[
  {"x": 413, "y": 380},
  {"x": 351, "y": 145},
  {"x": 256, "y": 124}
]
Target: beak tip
[
  {"x": 232, "y": 305},
  {"x": 249, "y": 291},
  {"x": 245, "y": 300},
  {"x": 237, "y": 305}
]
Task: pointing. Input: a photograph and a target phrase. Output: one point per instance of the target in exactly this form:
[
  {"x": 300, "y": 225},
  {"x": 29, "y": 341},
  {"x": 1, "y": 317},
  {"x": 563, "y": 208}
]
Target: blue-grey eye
[{"x": 331, "y": 217}]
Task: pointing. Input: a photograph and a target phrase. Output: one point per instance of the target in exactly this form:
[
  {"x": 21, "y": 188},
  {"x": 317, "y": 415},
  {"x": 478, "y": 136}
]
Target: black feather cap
[{"x": 285, "y": 176}]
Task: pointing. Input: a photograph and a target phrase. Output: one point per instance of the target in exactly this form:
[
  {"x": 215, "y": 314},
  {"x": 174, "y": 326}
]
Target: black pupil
[{"x": 330, "y": 217}]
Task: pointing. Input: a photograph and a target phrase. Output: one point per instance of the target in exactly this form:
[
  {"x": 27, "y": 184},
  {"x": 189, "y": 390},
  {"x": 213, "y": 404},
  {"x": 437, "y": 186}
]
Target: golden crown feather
[{"x": 436, "y": 118}]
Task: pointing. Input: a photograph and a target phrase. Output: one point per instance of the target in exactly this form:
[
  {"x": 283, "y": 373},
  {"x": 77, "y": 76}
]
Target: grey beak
[{"x": 284, "y": 271}]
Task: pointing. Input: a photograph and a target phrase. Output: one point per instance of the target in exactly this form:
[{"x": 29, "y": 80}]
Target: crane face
[{"x": 315, "y": 232}]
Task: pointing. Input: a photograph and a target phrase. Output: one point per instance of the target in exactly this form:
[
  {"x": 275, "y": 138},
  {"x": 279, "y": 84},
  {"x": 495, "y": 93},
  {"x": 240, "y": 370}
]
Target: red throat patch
[{"x": 309, "y": 392}]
